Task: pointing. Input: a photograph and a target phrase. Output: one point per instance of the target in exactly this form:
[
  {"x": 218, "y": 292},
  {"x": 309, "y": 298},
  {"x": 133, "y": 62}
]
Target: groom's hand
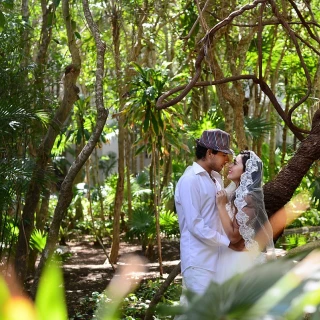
[{"x": 238, "y": 246}]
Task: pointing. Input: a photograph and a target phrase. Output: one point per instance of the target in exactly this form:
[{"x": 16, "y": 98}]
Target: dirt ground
[{"x": 87, "y": 271}]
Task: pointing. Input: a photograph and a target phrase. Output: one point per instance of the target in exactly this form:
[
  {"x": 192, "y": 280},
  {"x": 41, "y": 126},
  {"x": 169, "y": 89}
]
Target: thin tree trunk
[
  {"x": 166, "y": 170},
  {"x": 162, "y": 289},
  {"x": 155, "y": 160},
  {"x": 102, "y": 216},
  {"x": 78, "y": 203},
  {"x": 133, "y": 54},
  {"x": 128, "y": 172},
  {"x": 272, "y": 146},
  {"x": 115, "y": 21}
]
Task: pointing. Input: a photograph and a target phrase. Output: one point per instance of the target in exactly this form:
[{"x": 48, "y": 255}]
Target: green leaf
[
  {"x": 77, "y": 35},
  {"x": 147, "y": 120},
  {"x": 138, "y": 68},
  {"x": 38, "y": 240},
  {"x": 79, "y": 137},
  {"x": 2, "y": 21},
  {"x": 176, "y": 143},
  {"x": 4, "y": 296},
  {"x": 87, "y": 134},
  {"x": 7, "y": 4},
  {"x": 139, "y": 150},
  {"x": 160, "y": 122},
  {"x": 50, "y": 300},
  {"x": 257, "y": 127},
  {"x": 155, "y": 124},
  {"x": 56, "y": 3}
]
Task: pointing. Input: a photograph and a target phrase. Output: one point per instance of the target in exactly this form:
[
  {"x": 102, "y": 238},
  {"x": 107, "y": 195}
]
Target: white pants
[{"x": 197, "y": 280}]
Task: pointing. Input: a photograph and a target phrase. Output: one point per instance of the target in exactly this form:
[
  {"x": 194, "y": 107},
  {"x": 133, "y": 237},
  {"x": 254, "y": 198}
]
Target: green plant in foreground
[
  {"x": 135, "y": 304},
  {"x": 278, "y": 290},
  {"x": 283, "y": 289},
  {"x": 49, "y": 303}
]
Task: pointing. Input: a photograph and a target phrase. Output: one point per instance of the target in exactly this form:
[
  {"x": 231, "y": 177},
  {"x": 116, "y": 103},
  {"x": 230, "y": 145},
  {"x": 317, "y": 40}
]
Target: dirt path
[{"x": 87, "y": 271}]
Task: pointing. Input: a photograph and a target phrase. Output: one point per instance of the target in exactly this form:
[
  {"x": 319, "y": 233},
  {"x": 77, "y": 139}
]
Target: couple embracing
[{"x": 221, "y": 233}]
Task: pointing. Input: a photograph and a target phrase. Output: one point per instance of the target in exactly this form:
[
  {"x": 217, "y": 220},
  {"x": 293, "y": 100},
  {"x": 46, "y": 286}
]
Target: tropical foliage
[{"x": 101, "y": 101}]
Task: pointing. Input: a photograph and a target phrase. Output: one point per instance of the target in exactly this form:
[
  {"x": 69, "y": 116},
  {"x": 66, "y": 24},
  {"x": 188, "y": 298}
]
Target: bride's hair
[{"x": 245, "y": 157}]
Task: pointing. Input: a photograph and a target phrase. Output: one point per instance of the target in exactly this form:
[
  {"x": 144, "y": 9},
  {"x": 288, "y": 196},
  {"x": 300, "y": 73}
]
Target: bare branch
[
  {"x": 207, "y": 39},
  {"x": 305, "y": 69}
]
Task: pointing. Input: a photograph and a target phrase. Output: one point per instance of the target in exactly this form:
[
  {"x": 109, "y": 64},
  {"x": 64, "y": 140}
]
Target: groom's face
[{"x": 218, "y": 160}]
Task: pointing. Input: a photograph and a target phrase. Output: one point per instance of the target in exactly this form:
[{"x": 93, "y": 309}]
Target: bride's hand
[{"x": 221, "y": 198}]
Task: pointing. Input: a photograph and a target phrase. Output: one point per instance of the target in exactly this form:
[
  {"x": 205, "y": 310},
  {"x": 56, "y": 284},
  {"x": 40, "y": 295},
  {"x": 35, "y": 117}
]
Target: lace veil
[{"x": 251, "y": 216}]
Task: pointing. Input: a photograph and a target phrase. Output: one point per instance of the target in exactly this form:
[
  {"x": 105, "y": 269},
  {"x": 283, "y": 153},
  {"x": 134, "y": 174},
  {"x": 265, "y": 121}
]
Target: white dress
[{"x": 232, "y": 262}]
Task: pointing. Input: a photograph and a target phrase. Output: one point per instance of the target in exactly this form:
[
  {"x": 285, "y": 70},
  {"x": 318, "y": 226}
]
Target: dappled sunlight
[
  {"x": 286, "y": 215},
  {"x": 120, "y": 285}
]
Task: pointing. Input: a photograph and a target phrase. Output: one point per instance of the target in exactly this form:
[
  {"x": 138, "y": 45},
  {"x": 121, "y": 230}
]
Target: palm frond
[{"x": 257, "y": 127}]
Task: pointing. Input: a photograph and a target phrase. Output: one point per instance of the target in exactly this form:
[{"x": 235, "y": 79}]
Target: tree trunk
[
  {"x": 156, "y": 182},
  {"x": 272, "y": 146},
  {"x": 43, "y": 153},
  {"x": 33, "y": 194},
  {"x": 280, "y": 190},
  {"x": 115, "y": 21},
  {"x": 98, "y": 185},
  {"x": 128, "y": 172},
  {"x": 119, "y": 195},
  {"x": 102, "y": 114}
]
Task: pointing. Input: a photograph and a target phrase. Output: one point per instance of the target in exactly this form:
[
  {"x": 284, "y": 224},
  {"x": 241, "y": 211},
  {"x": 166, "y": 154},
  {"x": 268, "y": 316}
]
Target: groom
[{"x": 195, "y": 199}]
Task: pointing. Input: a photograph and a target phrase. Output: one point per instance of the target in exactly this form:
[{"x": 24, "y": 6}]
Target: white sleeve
[{"x": 189, "y": 198}]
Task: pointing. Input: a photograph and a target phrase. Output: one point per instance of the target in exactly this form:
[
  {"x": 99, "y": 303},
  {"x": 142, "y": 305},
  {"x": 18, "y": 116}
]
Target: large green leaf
[
  {"x": 280, "y": 289},
  {"x": 50, "y": 300},
  {"x": 257, "y": 127}
]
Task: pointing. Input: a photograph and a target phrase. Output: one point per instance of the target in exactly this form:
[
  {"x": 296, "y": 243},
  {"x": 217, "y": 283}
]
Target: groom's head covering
[{"x": 215, "y": 139}]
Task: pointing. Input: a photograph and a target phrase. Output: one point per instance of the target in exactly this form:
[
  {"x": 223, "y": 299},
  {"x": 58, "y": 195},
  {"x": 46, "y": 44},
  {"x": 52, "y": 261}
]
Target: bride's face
[{"x": 236, "y": 170}]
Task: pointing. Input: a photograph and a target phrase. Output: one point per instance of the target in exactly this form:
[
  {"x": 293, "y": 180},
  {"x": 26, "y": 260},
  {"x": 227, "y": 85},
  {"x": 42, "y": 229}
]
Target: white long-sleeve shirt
[{"x": 201, "y": 231}]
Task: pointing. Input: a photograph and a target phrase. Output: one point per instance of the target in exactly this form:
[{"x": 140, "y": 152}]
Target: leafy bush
[
  {"x": 310, "y": 217},
  {"x": 38, "y": 240},
  {"x": 135, "y": 304},
  {"x": 282, "y": 289},
  {"x": 169, "y": 224},
  {"x": 142, "y": 226}
]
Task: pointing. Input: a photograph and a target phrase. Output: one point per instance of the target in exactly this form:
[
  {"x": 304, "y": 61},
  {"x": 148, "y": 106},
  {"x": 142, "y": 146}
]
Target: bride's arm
[{"x": 230, "y": 226}]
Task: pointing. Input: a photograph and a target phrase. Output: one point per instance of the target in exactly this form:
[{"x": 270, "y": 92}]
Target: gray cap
[{"x": 215, "y": 139}]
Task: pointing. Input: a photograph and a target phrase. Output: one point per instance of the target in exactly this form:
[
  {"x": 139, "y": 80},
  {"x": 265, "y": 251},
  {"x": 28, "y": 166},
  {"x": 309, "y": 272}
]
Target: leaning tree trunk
[
  {"x": 66, "y": 194},
  {"x": 280, "y": 190}
]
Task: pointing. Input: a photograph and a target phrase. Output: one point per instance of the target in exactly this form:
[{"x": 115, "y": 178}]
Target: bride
[{"x": 243, "y": 216}]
